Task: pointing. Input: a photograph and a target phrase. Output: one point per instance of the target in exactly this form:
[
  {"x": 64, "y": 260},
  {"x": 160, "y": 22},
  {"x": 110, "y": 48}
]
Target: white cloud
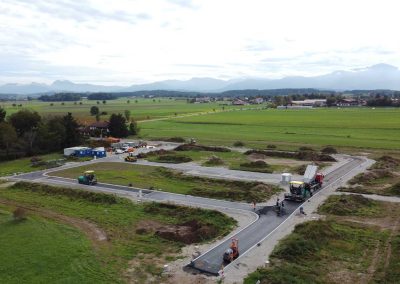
[{"x": 125, "y": 41}]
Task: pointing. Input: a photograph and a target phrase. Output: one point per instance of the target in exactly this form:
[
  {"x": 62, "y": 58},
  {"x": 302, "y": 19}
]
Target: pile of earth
[
  {"x": 301, "y": 155},
  {"x": 386, "y": 162},
  {"x": 188, "y": 232},
  {"x": 214, "y": 161},
  {"x": 370, "y": 176},
  {"x": 153, "y": 153},
  {"x": 347, "y": 204},
  {"x": 195, "y": 147}
]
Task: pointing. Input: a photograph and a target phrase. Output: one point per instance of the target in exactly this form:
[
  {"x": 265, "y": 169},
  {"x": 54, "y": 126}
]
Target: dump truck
[
  {"x": 232, "y": 252},
  {"x": 300, "y": 190},
  {"x": 131, "y": 158},
  {"x": 88, "y": 178}
]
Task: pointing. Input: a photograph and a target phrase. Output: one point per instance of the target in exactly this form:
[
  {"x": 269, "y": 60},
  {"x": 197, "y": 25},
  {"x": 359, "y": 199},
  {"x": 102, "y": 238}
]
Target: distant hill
[{"x": 380, "y": 76}]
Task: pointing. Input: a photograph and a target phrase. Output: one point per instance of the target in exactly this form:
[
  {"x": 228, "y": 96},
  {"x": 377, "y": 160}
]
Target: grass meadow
[{"x": 352, "y": 127}]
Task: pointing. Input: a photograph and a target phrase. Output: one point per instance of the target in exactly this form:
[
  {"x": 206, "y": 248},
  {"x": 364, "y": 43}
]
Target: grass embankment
[
  {"x": 382, "y": 178},
  {"x": 50, "y": 251},
  {"x": 360, "y": 128},
  {"x": 173, "y": 181},
  {"x": 355, "y": 244}
]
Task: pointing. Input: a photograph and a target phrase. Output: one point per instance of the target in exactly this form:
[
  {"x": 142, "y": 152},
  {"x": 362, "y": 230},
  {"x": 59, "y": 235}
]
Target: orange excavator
[{"x": 232, "y": 252}]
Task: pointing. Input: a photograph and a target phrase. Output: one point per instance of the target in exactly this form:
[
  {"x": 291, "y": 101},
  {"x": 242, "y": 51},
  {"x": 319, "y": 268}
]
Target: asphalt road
[{"x": 210, "y": 261}]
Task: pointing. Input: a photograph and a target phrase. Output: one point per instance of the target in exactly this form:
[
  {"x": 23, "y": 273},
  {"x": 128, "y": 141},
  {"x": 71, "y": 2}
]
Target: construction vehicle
[
  {"x": 131, "y": 158},
  {"x": 232, "y": 252},
  {"x": 87, "y": 178},
  {"x": 300, "y": 190}
]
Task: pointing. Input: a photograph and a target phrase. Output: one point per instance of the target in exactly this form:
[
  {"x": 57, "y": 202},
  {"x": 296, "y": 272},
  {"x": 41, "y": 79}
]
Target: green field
[
  {"x": 363, "y": 127},
  {"x": 172, "y": 181},
  {"x": 38, "y": 250},
  {"x": 140, "y": 110}
]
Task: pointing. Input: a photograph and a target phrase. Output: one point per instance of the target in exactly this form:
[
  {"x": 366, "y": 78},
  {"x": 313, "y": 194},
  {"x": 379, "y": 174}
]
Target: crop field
[
  {"x": 74, "y": 236},
  {"x": 140, "y": 108},
  {"x": 362, "y": 127}
]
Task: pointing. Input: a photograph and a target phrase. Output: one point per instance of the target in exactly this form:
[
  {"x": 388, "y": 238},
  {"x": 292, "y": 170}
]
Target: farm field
[
  {"x": 72, "y": 236},
  {"x": 172, "y": 181},
  {"x": 354, "y": 244},
  {"x": 140, "y": 108},
  {"x": 353, "y": 127}
]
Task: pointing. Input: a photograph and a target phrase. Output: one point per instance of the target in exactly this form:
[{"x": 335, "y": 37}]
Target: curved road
[{"x": 210, "y": 261}]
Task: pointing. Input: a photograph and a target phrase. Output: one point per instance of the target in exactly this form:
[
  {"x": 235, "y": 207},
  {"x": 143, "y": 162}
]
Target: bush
[
  {"x": 271, "y": 146},
  {"x": 214, "y": 161},
  {"x": 19, "y": 214},
  {"x": 329, "y": 150},
  {"x": 238, "y": 144}
]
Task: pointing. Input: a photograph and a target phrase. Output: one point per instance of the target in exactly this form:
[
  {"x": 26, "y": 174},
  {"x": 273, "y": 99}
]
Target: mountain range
[{"x": 379, "y": 76}]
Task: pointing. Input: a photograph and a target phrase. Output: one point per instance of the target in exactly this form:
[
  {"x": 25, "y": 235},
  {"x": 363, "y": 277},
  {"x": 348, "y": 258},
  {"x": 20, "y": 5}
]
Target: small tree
[
  {"x": 19, "y": 214},
  {"x": 98, "y": 102},
  {"x": 94, "y": 110},
  {"x": 97, "y": 117},
  {"x": 117, "y": 126},
  {"x": 128, "y": 101},
  {"x": 104, "y": 102},
  {"x": 2, "y": 114},
  {"x": 133, "y": 128},
  {"x": 127, "y": 114}
]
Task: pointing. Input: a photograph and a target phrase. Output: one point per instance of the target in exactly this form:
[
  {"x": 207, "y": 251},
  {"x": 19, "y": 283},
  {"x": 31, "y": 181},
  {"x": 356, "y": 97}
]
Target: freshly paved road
[{"x": 211, "y": 261}]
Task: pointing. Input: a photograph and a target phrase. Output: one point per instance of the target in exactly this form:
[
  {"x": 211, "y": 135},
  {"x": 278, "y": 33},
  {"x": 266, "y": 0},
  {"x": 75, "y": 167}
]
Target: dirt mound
[
  {"x": 301, "y": 155},
  {"x": 255, "y": 164},
  {"x": 347, "y": 205},
  {"x": 261, "y": 187},
  {"x": 257, "y": 156},
  {"x": 194, "y": 147},
  {"x": 214, "y": 161},
  {"x": 175, "y": 159},
  {"x": 188, "y": 232},
  {"x": 386, "y": 162},
  {"x": 371, "y": 176},
  {"x": 160, "y": 152}
]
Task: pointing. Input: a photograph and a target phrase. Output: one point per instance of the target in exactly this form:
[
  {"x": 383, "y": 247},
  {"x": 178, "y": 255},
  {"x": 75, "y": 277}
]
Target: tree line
[{"x": 26, "y": 133}]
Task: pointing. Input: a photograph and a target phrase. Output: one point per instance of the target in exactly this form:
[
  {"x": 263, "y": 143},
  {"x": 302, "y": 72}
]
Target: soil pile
[
  {"x": 194, "y": 147},
  {"x": 188, "y": 232},
  {"x": 301, "y": 155}
]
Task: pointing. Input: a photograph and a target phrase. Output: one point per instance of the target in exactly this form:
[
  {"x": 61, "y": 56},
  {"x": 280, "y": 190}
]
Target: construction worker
[
  {"x": 277, "y": 202},
  {"x": 254, "y": 205}
]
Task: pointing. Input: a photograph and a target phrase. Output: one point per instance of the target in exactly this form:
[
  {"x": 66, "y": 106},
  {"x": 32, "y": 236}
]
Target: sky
[{"x": 124, "y": 42}]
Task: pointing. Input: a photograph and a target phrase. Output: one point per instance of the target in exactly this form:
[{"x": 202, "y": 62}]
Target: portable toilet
[
  {"x": 99, "y": 152},
  {"x": 286, "y": 178}
]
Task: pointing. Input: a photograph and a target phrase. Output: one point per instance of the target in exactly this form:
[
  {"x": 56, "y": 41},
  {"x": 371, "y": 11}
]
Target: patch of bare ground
[{"x": 95, "y": 234}]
